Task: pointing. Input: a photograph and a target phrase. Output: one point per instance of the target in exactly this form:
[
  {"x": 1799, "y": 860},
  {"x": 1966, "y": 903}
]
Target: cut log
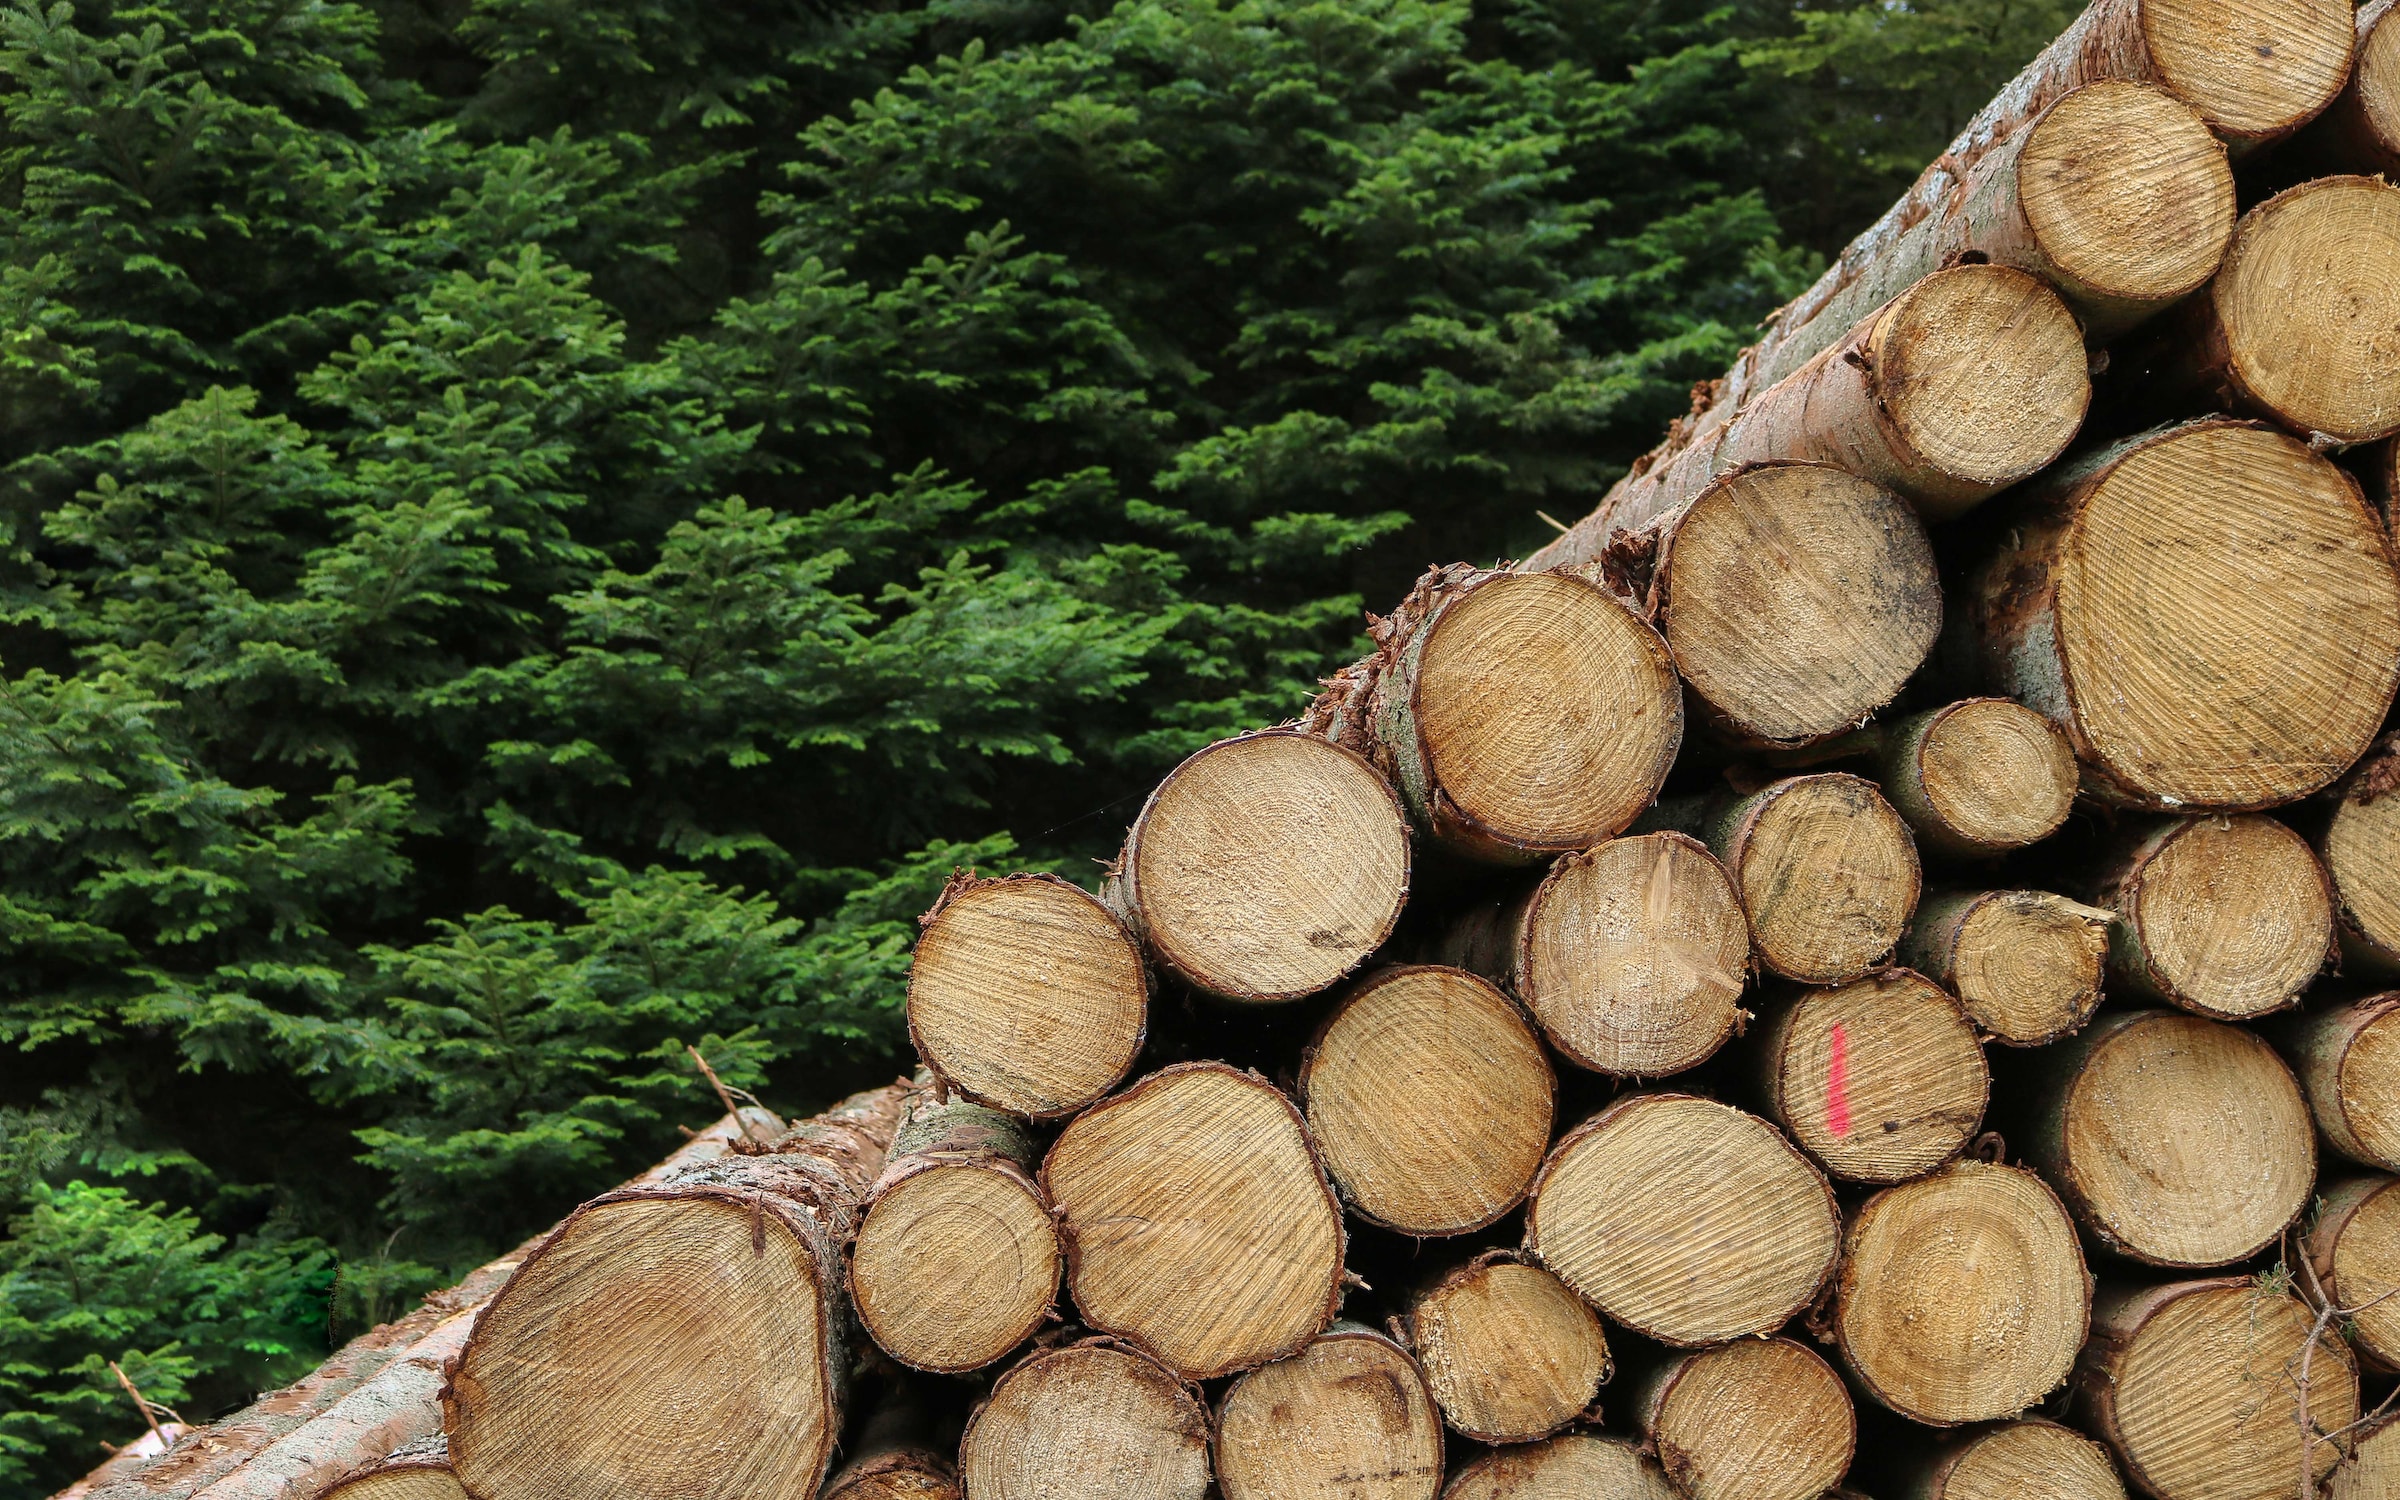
[
  {"x": 1347, "y": 1418},
  {"x": 686, "y": 1338},
  {"x": 2025, "y": 965},
  {"x": 1265, "y": 867},
  {"x": 1430, "y": 1100},
  {"x": 2372, "y": 1470},
  {"x": 1511, "y": 1354},
  {"x": 2210, "y": 612},
  {"x": 1199, "y": 1226},
  {"x": 1797, "y": 599},
  {"x": 895, "y": 1458},
  {"x": 1572, "y": 1466},
  {"x": 2361, "y": 131},
  {"x": 1963, "y": 1296},
  {"x": 1092, "y": 1421},
  {"x": 1632, "y": 956},
  {"x": 1753, "y": 1420},
  {"x": 1685, "y": 1220},
  {"x": 1026, "y": 994},
  {"x": 1880, "y": 1080},
  {"x": 1826, "y": 871},
  {"x": 419, "y": 1471},
  {"x": 2354, "y": 1248},
  {"x": 957, "y": 1260},
  {"x": 2178, "y": 1142},
  {"x": 2032, "y": 1457},
  {"x": 2361, "y": 845},
  {"x": 2226, "y": 917},
  {"x": 2195, "y": 1385},
  {"x": 1520, "y": 714},
  {"x": 1979, "y": 778},
  {"x": 2348, "y": 1060}
]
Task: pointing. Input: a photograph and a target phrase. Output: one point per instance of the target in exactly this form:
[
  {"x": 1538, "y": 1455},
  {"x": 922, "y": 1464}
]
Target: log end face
[
  {"x": 955, "y": 1265},
  {"x": 403, "y": 1482},
  {"x": 2309, "y": 301},
  {"x": 2028, "y": 965},
  {"x": 1755, "y": 1420},
  {"x": 2129, "y": 196},
  {"x": 2032, "y": 1457},
  {"x": 1882, "y": 1079},
  {"x": 2372, "y": 1471},
  {"x": 1982, "y": 373},
  {"x": 1997, "y": 776},
  {"x": 2233, "y": 916},
  {"x": 1092, "y": 1420},
  {"x": 2256, "y": 70},
  {"x": 1349, "y": 1417},
  {"x": 1575, "y": 1466},
  {"x": 2365, "y": 1265},
  {"x": 2378, "y": 85},
  {"x": 1510, "y": 1352},
  {"x": 2367, "y": 1091},
  {"x": 2362, "y": 854},
  {"x": 1829, "y": 875}
]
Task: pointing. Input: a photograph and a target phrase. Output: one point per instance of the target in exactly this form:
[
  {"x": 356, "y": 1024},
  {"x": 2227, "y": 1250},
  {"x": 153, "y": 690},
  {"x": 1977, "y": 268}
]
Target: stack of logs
[{"x": 1819, "y": 977}]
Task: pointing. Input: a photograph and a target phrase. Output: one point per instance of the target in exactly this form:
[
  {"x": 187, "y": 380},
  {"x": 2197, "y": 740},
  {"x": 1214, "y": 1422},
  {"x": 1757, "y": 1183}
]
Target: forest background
[{"x": 534, "y": 533}]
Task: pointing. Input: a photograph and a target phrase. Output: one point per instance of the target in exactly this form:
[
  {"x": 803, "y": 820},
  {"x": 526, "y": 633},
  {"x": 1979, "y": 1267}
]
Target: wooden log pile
[{"x": 1862, "y": 967}]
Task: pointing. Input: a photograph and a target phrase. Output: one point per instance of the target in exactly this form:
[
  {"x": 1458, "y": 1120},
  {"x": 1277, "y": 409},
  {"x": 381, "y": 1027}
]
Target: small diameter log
[
  {"x": 2372, "y": 1469},
  {"x": 420, "y": 1471},
  {"x": 1571, "y": 1466},
  {"x": 2348, "y": 1060},
  {"x": 2226, "y": 917},
  {"x": 1430, "y": 1100},
  {"x": 1091, "y": 1421},
  {"x": 1826, "y": 870},
  {"x": 1511, "y": 1354},
  {"x": 2209, "y": 611},
  {"x": 1963, "y": 1296},
  {"x": 2032, "y": 1457},
  {"x": 686, "y": 1338},
  {"x": 2196, "y": 1386},
  {"x": 2361, "y": 846},
  {"x": 1198, "y": 1223},
  {"x": 1880, "y": 1080},
  {"x": 2178, "y": 1142},
  {"x": 1347, "y": 1418},
  {"x": 1265, "y": 867},
  {"x": 2354, "y": 1248},
  {"x": 1520, "y": 714},
  {"x": 1759, "y": 1419},
  {"x": 2361, "y": 132},
  {"x": 1632, "y": 956},
  {"x": 1979, "y": 778},
  {"x": 1686, "y": 1220},
  {"x": 1026, "y": 994},
  {"x": 2025, "y": 965},
  {"x": 957, "y": 1260},
  {"x": 895, "y": 1459}
]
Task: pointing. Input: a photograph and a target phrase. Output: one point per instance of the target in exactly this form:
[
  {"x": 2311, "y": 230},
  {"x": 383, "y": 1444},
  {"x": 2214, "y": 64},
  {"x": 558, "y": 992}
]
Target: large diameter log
[
  {"x": 1826, "y": 871},
  {"x": 2209, "y": 611},
  {"x": 2372, "y": 1469},
  {"x": 2031, "y": 1457},
  {"x": 1430, "y": 1100},
  {"x": 2195, "y": 1385},
  {"x": 2348, "y": 1060},
  {"x": 419, "y": 1471},
  {"x": 1963, "y": 1296},
  {"x": 1759, "y": 1419},
  {"x": 1880, "y": 1080},
  {"x": 1685, "y": 1220},
  {"x": 2361, "y": 845},
  {"x": 1092, "y": 1421},
  {"x": 956, "y": 1261},
  {"x": 2226, "y": 917},
  {"x": 1978, "y": 778},
  {"x": 1632, "y": 956},
  {"x": 2354, "y": 1247},
  {"x": 1265, "y": 867},
  {"x": 1511, "y": 1354},
  {"x": 1571, "y": 1466},
  {"x": 1347, "y": 1418},
  {"x": 1199, "y": 1225},
  {"x": 2178, "y": 1142},
  {"x": 2026, "y": 965},
  {"x": 1520, "y": 714},
  {"x": 1026, "y": 994}
]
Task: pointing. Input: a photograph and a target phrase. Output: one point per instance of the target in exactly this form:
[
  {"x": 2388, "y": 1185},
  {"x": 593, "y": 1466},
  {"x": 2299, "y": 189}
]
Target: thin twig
[
  {"x": 142, "y": 1405},
  {"x": 724, "y": 1095},
  {"x": 2314, "y": 1295},
  {"x": 1562, "y": 527}
]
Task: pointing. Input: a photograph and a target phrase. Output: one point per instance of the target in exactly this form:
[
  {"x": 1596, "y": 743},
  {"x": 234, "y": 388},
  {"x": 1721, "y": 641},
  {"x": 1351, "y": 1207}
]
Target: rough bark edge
[
  {"x": 1774, "y": 1044},
  {"x": 1931, "y": 1481},
  {"x": 1474, "y": 1265},
  {"x": 2337, "y": 1204},
  {"x": 425, "y": 1454},
  {"x": 2376, "y": 775}
]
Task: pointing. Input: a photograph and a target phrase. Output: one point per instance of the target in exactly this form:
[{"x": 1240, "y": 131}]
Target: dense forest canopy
[{"x": 538, "y": 531}]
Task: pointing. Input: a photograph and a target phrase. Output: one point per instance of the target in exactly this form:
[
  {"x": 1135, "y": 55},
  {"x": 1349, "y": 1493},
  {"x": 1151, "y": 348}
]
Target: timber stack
[{"x": 1868, "y": 964}]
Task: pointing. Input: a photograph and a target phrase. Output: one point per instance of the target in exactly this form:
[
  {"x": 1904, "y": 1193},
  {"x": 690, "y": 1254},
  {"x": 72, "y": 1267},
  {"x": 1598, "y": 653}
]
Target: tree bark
[
  {"x": 1825, "y": 869},
  {"x": 1688, "y": 1221},
  {"x": 957, "y": 1260},
  {"x": 1092, "y": 1421},
  {"x": 2347, "y": 1057},
  {"x": 1026, "y": 994},
  {"x": 685, "y": 1337},
  {"x": 417, "y": 1471},
  {"x": 2025, "y": 965},
  {"x": 1753, "y": 1420},
  {"x": 1978, "y": 778},
  {"x": 1519, "y": 714},
  {"x": 1879, "y": 1080},
  {"x": 2030, "y": 1456},
  {"x": 2353, "y": 1246},
  {"x": 1265, "y": 867},
  {"x": 2209, "y": 611},
  {"x": 1511, "y": 1354},
  {"x": 1347, "y": 1418},
  {"x": 2361, "y": 849},
  {"x": 1568, "y": 1467},
  {"x": 2227, "y": 917},
  {"x": 1430, "y": 1100}
]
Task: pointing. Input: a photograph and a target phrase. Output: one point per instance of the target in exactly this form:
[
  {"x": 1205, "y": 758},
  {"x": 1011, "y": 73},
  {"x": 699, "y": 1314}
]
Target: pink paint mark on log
[{"x": 1837, "y": 1082}]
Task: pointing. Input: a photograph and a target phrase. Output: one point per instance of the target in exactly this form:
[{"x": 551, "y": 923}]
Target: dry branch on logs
[
  {"x": 1347, "y": 1418},
  {"x": 1026, "y": 994},
  {"x": 2354, "y": 1248},
  {"x": 1759, "y": 1419},
  {"x": 2229, "y": 918},
  {"x": 1880, "y": 1080},
  {"x": 1199, "y": 1225},
  {"x": 1825, "y": 869},
  {"x": 2025, "y": 965},
  {"x": 1430, "y": 1100},
  {"x": 420, "y": 1471},
  {"x": 2372, "y": 1469},
  {"x": 1511, "y": 1354},
  {"x": 2014, "y": 1460},
  {"x": 1092, "y": 1421},
  {"x": 1684, "y": 1219},
  {"x": 1978, "y": 778},
  {"x": 1265, "y": 867},
  {"x": 2361, "y": 846},
  {"x": 2209, "y": 611},
  {"x": 1573, "y": 1466}
]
